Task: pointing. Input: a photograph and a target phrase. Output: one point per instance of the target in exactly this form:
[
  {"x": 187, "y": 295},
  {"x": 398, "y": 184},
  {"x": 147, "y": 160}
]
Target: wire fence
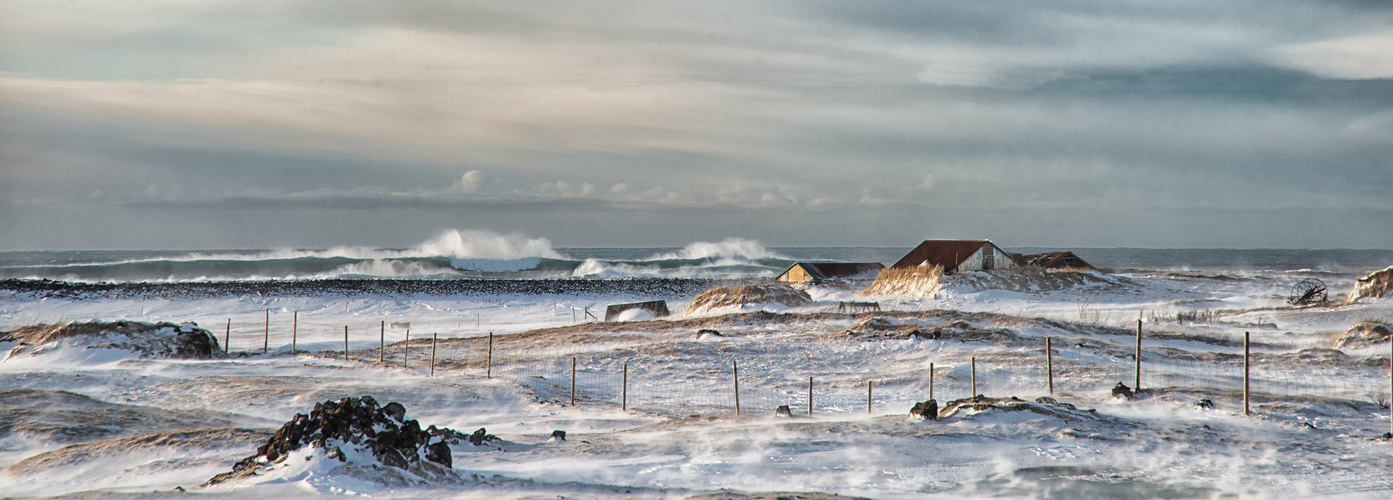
[{"x": 695, "y": 376}]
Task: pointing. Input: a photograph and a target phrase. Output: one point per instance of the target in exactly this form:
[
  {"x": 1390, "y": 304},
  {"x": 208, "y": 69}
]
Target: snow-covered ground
[{"x": 82, "y": 419}]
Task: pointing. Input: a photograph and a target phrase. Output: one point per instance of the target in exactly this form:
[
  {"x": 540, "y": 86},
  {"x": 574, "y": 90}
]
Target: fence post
[
  {"x": 294, "y": 329},
  {"x": 434, "y": 337},
  {"x": 266, "y": 339},
  {"x": 345, "y": 342},
  {"x": 1136, "y": 382},
  {"x": 1390, "y": 389},
  {"x": 735, "y": 373},
  {"x": 624, "y": 388},
  {"x": 810, "y": 396},
  {"x": 1049, "y": 366},
  {"x": 1245, "y": 373},
  {"x": 573, "y": 381},
  {"x": 382, "y": 342},
  {"x": 406, "y": 350},
  {"x": 931, "y": 380},
  {"x": 488, "y": 370},
  {"x": 974, "y": 376},
  {"x": 227, "y": 338},
  {"x": 868, "y": 397}
]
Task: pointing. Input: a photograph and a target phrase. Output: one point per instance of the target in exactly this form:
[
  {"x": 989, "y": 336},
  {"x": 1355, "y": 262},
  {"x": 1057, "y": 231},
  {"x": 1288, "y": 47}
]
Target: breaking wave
[{"x": 453, "y": 254}]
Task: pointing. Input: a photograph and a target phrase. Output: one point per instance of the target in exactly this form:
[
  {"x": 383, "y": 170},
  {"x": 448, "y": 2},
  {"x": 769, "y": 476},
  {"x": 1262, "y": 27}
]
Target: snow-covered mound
[
  {"x": 148, "y": 340},
  {"x": 1365, "y": 334},
  {"x": 907, "y": 282},
  {"x": 756, "y": 295},
  {"x": 355, "y": 436},
  {"x": 1376, "y": 284}
]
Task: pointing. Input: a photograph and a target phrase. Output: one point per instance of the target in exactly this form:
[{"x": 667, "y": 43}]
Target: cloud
[
  {"x": 470, "y": 182},
  {"x": 1363, "y": 57}
]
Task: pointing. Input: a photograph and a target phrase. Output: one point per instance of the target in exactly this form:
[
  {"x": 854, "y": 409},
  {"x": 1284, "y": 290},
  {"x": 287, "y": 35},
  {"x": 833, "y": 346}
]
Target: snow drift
[{"x": 149, "y": 340}]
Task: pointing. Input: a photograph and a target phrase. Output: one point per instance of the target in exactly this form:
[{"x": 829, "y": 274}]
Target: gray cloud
[{"x": 1142, "y": 122}]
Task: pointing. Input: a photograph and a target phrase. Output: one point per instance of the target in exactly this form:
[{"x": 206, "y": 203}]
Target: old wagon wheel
[{"x": 1308, "y": 291}]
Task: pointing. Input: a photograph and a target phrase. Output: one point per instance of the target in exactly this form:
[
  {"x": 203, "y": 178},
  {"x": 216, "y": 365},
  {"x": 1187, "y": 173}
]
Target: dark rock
[
  {"x": 393, "y": 440},
  {"x": 707, "y": 331},
  {"x": 783, "y": 411},
  {"x": 925, "y": 409},
  {"x": 440, "y": 453},
  {"x": 1122, "y": 391},
  {"x": 1204, "y": 404},
  {"x": 558, "y": 435},
  {"x": 1309, "y": 425},
  {"x": 481, "y": 436}
]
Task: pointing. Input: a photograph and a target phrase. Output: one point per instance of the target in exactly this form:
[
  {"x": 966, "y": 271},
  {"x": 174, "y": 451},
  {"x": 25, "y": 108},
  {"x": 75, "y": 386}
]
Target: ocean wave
[{"x": 729, "y": 249}]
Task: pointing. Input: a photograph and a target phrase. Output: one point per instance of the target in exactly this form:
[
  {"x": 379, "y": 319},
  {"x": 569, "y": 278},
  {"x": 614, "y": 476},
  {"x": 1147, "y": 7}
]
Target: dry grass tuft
[
  {"x": 749, "y": 294},
  {"x": 910, "y": 282}
]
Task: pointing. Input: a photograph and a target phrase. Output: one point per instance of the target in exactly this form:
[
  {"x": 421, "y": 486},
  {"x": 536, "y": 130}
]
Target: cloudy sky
[{"x": 172, "y": 124}]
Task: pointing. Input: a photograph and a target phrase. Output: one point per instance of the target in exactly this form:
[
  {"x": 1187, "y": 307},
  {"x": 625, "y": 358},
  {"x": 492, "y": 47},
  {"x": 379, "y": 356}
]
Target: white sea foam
[{"x": 729, "y": 249}]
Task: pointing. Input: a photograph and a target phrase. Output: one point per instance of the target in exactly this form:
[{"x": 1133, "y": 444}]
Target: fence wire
[{"x": 680, "y": 378}]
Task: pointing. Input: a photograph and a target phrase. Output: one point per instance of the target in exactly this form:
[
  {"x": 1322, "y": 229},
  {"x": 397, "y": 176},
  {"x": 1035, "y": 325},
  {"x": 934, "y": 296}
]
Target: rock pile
[{"x": 360, "y": 423}]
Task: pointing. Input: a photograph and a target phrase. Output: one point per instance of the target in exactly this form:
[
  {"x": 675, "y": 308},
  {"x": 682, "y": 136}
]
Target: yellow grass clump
[
  {"x": 748, "y": 294},
  {"x": 907, "y": 281},
  {"x": 1376, "y": 284}
]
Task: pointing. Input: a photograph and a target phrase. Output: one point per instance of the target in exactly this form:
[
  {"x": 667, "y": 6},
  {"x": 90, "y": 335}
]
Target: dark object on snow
[
  {"x": 1204, "y": 404},
  {"x": 707, "y": 331},
  {"x": 657, "y": 307},
  {"x": 1387, "y": 436},
  {"x": 392, "y": 440},
  {"x": 783, "y": 411},
  {"x": 1308, "y": 291},
  {"x": 1122, "y": 391},
  {"x": 1309, "y": 425},
  {"x": 926, "y": 409},
  {"x": 558, "y": 435},
  {"x": 481, "y": 437}
]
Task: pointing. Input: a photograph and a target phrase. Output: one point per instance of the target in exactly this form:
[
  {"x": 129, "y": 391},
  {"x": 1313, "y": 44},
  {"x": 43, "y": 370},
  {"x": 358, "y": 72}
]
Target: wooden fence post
[
  {"x": 227, "y": 338},
  {"x": 406, "y": 350},
  {"x": 1136, "y": 382},
  {"x": 382, "y": 342},
  {"x": 573, "y": 381},
  {"x": 624, "y": 389},
  {"x": 434, "y": 337},
  {"x": 1049, "y": 366},
  {"x": 735, "y": 374},
  {"x": 868, "y": 397},
  {"x": 1245, "y": 373},
  {"x": 488, "y": 370},
  {"x": 294, "y": 329},
  {"x": 266, "y": 339},
  {"x": 810, "y": 396},
  {"x": 931, "y": 380},
  {"x": 974, "y": 376},
  {"x": 345, "y": 342}
]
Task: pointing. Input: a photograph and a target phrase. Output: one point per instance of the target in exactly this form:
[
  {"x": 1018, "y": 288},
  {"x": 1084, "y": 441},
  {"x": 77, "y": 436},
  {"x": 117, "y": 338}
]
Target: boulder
[
  {"x": 925, "y": 409},
  {"x": 1122, "y": 391},
  {"x": 783, "y": 411}
]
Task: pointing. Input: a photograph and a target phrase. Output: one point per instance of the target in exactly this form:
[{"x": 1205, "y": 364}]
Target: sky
[{"x": 230, "y": 124}]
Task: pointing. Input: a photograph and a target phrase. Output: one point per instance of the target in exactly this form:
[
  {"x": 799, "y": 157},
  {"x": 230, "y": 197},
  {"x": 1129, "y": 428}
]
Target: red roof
[
  {"x": 1057, "y": 260},
  {"x": 943, "y": 253}
]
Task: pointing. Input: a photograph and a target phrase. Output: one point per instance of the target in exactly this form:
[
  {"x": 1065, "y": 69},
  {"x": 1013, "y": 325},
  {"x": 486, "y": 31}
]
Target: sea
[{"x": 726, "y": 260}]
